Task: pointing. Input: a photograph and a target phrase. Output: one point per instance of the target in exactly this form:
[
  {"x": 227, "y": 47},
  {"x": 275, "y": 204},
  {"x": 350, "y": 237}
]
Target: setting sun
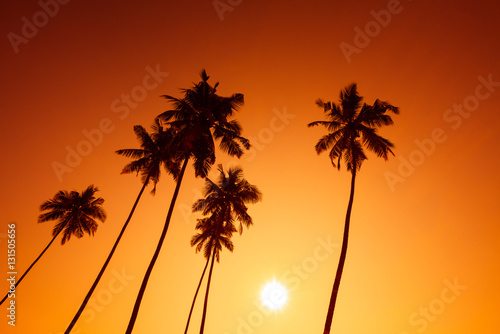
[{"x": 274, "y": 295}]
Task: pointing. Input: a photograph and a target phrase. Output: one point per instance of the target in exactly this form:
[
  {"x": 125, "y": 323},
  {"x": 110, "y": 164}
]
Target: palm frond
[
  {"x": 134, "y": 153},
  {"x": 376, "y": 143},
  {"x": 331, "y": 140}
]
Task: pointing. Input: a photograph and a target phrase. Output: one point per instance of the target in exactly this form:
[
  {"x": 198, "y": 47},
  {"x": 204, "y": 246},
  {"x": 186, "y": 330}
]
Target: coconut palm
[
  {"x": 149, "y": 159},
  {"x": 198, "y": 119},
  {"x": 213, "y": 236},
  {"x": 351, "y": 126},
  {"x": 201, "y": 117},
  {"x": 225, "y": 203},
  {"x": 76, "y": 213}
]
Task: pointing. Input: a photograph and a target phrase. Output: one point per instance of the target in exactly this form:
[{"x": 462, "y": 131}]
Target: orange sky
[{"x": 423, "y": 221}]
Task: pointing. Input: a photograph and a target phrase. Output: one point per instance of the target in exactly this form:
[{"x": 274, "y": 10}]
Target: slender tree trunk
[
  {"x": 31, "y": 266},
  {"x": 137, "y": 305},
  {"x": 98, "y": 278},
  {"x": 343, "y": 252},
  {"x": 202, "y": 328},
  {"x": 195, "y": 295}
]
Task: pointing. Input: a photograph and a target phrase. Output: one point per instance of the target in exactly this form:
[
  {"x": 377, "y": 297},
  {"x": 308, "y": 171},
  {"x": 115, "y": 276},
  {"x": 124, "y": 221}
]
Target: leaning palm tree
[
  {"x": 213, "y": 235},
  {"x": 149, "y": 159},
  {"x": 225, "y": 203},
  {"x": 76, "y": 213},
  {"x": 198, "y": 119},
  {"x": 351, "y": 126}
]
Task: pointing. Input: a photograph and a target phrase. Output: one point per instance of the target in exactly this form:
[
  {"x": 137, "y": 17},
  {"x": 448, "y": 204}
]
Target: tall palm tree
[
  {"x": 213, "y": 235},
  {"x": 198, "y": 119},
  {"x": 76, "y": 213},
  {"x": 351, "y": 126},
  {"x": 225, "y": 201},
  {"x": 153, "y": 154}
]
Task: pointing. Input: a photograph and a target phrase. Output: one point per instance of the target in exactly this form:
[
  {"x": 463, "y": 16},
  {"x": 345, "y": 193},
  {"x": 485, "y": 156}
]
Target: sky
[{"x": 423, "y": 248}]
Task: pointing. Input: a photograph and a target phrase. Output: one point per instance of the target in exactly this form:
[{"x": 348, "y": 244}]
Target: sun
[{"x": 274, "y": 295}]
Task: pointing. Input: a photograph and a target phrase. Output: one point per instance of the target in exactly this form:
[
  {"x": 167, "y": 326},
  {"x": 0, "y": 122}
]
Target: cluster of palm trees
[{"x": 188, "y": 132}]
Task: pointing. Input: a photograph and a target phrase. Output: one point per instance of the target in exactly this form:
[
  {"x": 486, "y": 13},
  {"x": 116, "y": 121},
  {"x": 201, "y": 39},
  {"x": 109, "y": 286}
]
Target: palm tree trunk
[
  {"x": 98, "y": 278},
  {"x": 202, "y": 328},
  {"x": 195, "y": 295},
  {"x": 31, "y": 266},
  {"x": 343, "y": 252},
  {"x": 137, "y": 305}
]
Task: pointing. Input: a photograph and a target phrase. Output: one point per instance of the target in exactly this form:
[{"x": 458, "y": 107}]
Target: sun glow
[{"x": 274, "y": 295}]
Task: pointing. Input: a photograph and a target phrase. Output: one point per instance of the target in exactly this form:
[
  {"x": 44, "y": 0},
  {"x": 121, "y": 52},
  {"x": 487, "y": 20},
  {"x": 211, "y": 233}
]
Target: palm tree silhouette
[
  {"x": 213, "y": 235},
  {"x": 153, "y": 154},
  {"x": 351, "y": 125},
  {"x": 198, "y": 118},
  {"x": 76, "y": 213},
  {"x": 225, "y": 201}
]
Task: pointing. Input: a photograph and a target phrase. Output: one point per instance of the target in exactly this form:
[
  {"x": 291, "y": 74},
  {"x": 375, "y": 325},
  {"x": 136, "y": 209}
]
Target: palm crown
[
  {"x": 226, "y": 198},
  {"x": 77, "y": 213},
  {"x": 351, "y": 126},
  {"x": 213, "y": 235},
  {"x": 156, "y": 151},
  {"x": 202, "y": 116}
]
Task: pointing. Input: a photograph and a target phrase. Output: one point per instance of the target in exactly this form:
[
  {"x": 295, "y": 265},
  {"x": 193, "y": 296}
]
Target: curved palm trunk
[
  {"x": 145, "y": 280},
  {"x": 98, "y": 278},
  {"x": 195, "y": 295},
  {"x": 340, "y": 268},
  {"x": 31, "y": 266},
  {"x": 202, "y": 328}
]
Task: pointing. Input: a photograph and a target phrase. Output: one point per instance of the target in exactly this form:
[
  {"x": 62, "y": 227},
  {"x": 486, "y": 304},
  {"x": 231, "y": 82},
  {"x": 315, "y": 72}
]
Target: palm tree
[
  {"x": 351, "y": 126},
  {"x": 153, "y": 154},
  {"x": 76, "y": 213},
  {"x": 198, "y": 118},
  {"x": 213, "y": 236},
  {"x": 225, "y": 202}
]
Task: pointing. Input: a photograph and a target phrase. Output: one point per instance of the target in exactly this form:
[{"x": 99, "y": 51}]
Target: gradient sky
[{"x": 425, "y": 220}]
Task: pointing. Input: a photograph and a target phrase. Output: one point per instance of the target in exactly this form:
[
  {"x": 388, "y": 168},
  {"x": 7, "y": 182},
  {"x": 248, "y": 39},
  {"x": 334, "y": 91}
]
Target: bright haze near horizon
[{"x": 423, "y": 248}]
